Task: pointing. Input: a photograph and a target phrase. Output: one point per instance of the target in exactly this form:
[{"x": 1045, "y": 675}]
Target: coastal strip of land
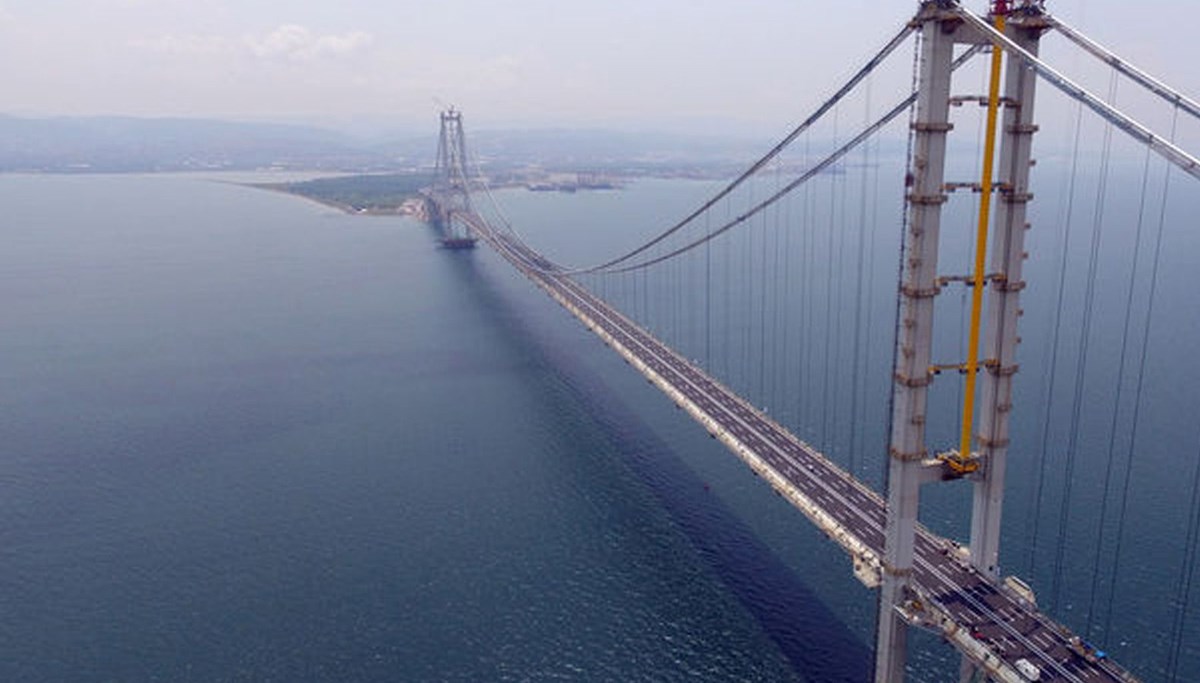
[
  {"x": 390, "y": 194},
  {"x": 379, "y": 194}
]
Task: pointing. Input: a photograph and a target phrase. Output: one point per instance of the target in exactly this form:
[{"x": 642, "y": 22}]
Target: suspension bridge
[{"x": 925, "y": 580}]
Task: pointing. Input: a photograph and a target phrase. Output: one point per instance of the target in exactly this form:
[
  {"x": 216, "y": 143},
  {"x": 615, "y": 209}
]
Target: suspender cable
[
  {"x": 728, "y": 291},
  {"x": 839, "y": 385},
  {"x": 830, "y": 269},
  {"x": 1135, "y": 421},
  {"x": 707, "y": 300},
  {"x": 870, "y": 313},
  {"x": 762, "y": 308},
  {"x": 1084, "y": 346},
  {"x": 748, "y": 279},
  {"x": 1187, "y": 570},
  {"x": 1120, "y": 375},
  {"x": 775, "y": 306},
  {"x": 1052, "y": 371},
  {"x": 806, "y": 302},
  {"x": 855, "y": 355},
  {"x": 786, "y": 308},
  {"x": 677, "y": 299}
]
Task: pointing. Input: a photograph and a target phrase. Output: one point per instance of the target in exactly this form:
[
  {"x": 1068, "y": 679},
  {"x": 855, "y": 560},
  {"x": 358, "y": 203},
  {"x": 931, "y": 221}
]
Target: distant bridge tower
[
  {"x": 983, "y": 462},
  {"x": 451, "y": 191}
]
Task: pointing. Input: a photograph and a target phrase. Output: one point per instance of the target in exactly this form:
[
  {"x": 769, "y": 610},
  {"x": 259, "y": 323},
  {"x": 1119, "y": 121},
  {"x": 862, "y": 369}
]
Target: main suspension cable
[
  {"x": 1134, "y": 129},
  {"x": 803, "y": 178},
  {"x": 1166, "y": 92},
  {"x": 862, "y": 73}
]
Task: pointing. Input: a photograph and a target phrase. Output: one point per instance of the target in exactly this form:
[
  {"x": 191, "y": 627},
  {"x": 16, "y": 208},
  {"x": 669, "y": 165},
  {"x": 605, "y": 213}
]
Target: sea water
[{"x": 248, "y": 437}]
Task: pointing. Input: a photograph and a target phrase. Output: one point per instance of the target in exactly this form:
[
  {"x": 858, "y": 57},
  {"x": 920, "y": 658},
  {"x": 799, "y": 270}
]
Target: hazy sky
[{"x": 625, "y": 63}]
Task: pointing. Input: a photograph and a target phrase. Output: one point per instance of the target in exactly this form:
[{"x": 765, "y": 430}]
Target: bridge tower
[
  {"x": 910, "y": 462},
  {"x": 451, "y": 191}
]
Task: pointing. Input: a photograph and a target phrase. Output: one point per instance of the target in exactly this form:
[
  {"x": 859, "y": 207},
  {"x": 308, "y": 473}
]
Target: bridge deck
[{"x": 988, "y": 623}]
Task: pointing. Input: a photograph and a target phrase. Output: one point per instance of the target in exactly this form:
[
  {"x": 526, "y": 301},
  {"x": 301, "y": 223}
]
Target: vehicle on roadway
[
  {"x": 1086, "y": 650},
  {"x": 1021, "y": 589},
  {"x": 1028, "y": 669}
]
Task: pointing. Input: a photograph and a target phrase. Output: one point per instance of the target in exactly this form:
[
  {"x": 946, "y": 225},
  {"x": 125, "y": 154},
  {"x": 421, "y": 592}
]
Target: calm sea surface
[
  {"x": 246, "y": 437},
  {"x": 249, "y": 438}
]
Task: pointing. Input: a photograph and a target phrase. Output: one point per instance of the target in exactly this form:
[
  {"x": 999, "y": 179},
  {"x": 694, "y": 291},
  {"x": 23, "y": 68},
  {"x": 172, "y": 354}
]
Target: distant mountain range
[
  {"x": 124, "y": 144},
  {"x": 133, "y": 144}
]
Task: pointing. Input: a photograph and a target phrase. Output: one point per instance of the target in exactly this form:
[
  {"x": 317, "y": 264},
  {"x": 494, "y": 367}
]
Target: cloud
[
  {"x": 289, "y": 42},
  {"x": 295, "y": 42}
]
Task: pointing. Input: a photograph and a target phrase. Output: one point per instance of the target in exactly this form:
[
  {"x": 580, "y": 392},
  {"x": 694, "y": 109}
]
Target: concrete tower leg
[
  {"x": 1001, "y": 339},
  {"x": 1007, "y": 265},
  {"x": 914, "y": 337}
]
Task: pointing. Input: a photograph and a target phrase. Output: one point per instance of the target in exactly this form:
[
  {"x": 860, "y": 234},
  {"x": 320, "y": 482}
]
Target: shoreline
[
  {"x": 364, "y": 196},
  {"x": 343, "y": 207}
]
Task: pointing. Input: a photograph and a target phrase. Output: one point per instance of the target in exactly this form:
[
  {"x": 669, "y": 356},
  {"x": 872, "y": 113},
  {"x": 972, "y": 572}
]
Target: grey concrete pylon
[
  {"x": 914, "y": 336},
  {"x": 1006, "y": 267},
  {"x": 909, "y": 462},
  {"x": 451, "y": 183},
  {"x": 1005, "y": 270}
]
